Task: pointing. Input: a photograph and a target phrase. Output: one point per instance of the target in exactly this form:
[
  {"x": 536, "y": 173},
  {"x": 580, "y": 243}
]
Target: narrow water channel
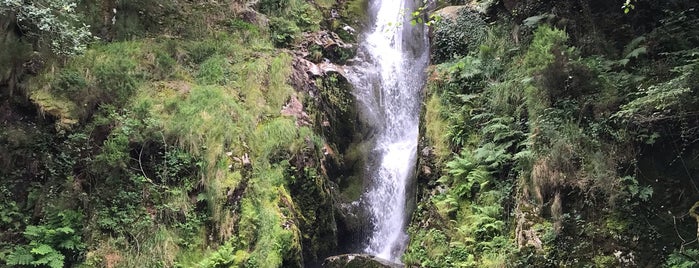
[{"x": 388, "y": 84}]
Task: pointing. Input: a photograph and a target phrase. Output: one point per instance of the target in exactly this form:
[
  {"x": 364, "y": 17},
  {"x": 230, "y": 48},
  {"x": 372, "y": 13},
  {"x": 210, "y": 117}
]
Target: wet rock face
[
  {"x": 326, "y": 45},
  {"x": 358, "y": 261},
  {"x": 331, "y": 110}
]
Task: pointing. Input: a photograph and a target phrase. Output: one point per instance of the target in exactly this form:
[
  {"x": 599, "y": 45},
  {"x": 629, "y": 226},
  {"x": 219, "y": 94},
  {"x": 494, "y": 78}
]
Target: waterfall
[{"x": 388, "y": 79}]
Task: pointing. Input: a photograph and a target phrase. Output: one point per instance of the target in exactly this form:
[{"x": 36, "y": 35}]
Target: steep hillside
[
  {"x": 186, "y": 134},
  {"x": 560, "y": 133}
]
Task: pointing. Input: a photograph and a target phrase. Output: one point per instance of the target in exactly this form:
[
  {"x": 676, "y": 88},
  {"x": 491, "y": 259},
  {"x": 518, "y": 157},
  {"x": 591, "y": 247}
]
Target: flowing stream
[{"x": 388, "y": 81}]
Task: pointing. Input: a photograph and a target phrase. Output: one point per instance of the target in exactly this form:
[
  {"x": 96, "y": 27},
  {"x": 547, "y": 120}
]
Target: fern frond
[{"x": 19, "y": 256}]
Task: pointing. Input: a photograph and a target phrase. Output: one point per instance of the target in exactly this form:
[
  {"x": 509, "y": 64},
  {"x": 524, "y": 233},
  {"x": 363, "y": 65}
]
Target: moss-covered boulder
[{"x": 358, "y": 261}]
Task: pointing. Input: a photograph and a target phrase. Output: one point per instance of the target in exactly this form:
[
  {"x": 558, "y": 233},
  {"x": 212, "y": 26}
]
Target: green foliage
[
  {"x": 467, "y": 177},
  {"x": 434, "y": 127},
  {"x": 248, "y": 30},
  {"x": 635, "y": 190},
  {"x": 546, "y": 43},
  {"x": 224, "y": 256},
  {"x": 457, "y": 37},
  {"x": 50, "y": 244},
  {"x": 467, "y": 72},
  {"x": 172, "y": 146},
  {"x": 435, "y": 250},
  {"x": 272, "y": 6},
  {"x": 683, "y": 259},
  {"x": 69, "y": 82},
  {"x": 628, "y": 6},
  {"x": 420, "y": 16},
  {"x": 55, "y": 23},
  {"x": 288, "y": 19},
  {"x": 214, "y": 71},
  {"x": 544, "y": 68},
  {"x": 284, "y": 32},
  {"x": 559, "y": 134},
  {"x": 107, "y": 75},
  {"x": 659, "y": 101}
]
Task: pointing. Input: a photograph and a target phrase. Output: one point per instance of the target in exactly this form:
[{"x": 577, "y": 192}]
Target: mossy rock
[
  {"x": 356, "y": 14},
  {"x": 327, "y": 45},
  {"x": 358, "y": 261}
]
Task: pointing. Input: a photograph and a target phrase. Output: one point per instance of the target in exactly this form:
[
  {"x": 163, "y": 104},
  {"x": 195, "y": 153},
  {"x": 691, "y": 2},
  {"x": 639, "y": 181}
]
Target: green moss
[
  {"x": 356, "y": 13},
  {"x": 604, "y": 261},
  {"x": 181, "y": 141},
  {"x": 435, "y": 127},
  {"x": 352, "y": 188},
  {"x": 59, "y": 107}
]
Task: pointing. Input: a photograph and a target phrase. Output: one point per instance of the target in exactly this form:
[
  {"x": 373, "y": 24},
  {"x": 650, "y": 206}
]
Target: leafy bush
[
  {"x": 457, "y": 37},
  {"x": 284, "y": 32},
  {"x": 683, "y": 259},
  {"x": 55, "y": 23},
  {"x": 659, "y": 101},
  {"x": 69, "y": 82}
]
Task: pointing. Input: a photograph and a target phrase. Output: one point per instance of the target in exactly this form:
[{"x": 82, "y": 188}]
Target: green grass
[
  {"x": 217, "y": 98},
  {"x": 436, "y": 127}
]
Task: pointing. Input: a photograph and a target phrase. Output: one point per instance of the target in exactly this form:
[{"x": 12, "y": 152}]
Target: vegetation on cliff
[
  {"x": 173, "y": 139},
  {"x": 560, "y": 133},
  {"x": 195, "y": 134}
]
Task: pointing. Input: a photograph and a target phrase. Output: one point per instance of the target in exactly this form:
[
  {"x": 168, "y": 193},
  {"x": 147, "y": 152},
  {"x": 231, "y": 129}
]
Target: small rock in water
[{"x": 349, "y": 29}]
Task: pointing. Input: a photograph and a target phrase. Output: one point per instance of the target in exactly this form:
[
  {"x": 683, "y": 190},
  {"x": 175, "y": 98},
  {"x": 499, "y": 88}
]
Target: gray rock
[{"x": 359, "y": 261}]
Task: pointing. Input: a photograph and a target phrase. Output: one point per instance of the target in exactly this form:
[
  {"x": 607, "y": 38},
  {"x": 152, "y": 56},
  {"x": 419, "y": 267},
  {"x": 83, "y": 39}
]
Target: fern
[
  {"x": 659, "y": 100},
  {"x": 42, "y": 249},
  {"x": 467, "y": 176},
  {"x": 493, "y": 155},
  {"x": 683, "y": 259},
  {"x": 46, "y": 255},
  {"x": 484, "y": 223},
  {"x": 460, "y": 166},
  {"x": 47, "y": 242},
  {"x": 447, "y": 205},
  {"x": 21, "y": 255},
  {"x": 501, "y": 129},
  {"x": 35, "y": 254}
]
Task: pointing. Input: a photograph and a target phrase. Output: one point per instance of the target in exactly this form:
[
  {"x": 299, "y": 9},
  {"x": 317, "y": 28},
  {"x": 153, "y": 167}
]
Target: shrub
[
  {"x": 68, "y": 82},
  {"x": 53, "y": 22},
  {"x": 457, "y": 37},
  {"x": 284, "y": 32}
]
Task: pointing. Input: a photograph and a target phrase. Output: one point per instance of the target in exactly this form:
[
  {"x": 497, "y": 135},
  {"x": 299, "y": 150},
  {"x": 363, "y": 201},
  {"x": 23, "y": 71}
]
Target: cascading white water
[{"x": 388, "y": 84}]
